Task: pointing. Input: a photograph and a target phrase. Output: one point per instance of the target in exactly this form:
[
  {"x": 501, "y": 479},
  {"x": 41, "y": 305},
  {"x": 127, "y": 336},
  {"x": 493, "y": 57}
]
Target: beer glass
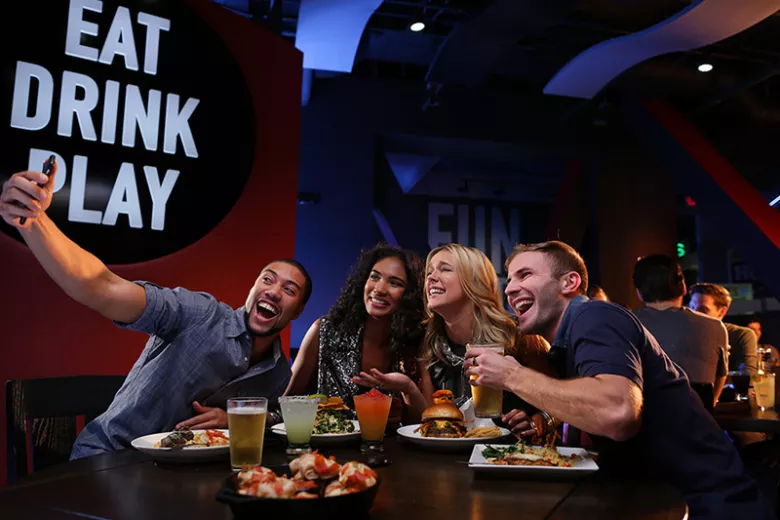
[
  {"x": 487, "y": 401},
  {"x": 299, "y": 413},
  {"x": 246, "y": 421}
]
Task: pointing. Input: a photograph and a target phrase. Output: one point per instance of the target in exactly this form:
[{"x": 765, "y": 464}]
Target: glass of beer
[
  {"x": 487, "y": 401},
  {"x": 246, "y": 421},
  {"x": 299, "y": 413}
]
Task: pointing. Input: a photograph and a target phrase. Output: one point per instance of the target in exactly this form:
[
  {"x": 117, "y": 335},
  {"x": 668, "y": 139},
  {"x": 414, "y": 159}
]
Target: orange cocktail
[{"x": 373, "y": 409}]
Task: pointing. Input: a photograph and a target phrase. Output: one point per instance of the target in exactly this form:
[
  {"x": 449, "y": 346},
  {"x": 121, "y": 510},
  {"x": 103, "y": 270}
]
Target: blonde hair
[{"x": 479, "y": 281}]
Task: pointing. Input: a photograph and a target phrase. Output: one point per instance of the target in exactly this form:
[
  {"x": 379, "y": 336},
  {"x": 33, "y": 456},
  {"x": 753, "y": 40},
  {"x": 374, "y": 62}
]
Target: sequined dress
[{"x": 340, "y": 359}]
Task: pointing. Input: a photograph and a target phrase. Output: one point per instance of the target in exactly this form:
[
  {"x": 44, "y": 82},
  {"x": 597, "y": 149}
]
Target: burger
[
  {"x": 442, "y": 421},
  {"x": 443, "y": 397}
]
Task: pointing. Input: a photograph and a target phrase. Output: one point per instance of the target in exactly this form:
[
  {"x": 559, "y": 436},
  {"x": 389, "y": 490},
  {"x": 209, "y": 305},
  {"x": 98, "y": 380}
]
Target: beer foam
[{"x": 247, "y": 410}]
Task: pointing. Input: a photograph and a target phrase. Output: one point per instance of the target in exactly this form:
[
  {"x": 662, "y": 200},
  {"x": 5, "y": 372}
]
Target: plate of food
[
  {"x": 333, "y": 425},
  {"x": 310, "y": 486},
  {"x": 185, "y": 444},
  {"x": 443, "y": 429},
  {"x": 532, "y": 461}
]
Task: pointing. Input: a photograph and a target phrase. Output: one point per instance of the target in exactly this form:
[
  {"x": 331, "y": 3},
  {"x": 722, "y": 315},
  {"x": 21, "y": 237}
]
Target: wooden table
[
  {"x": 418, "y": 485},
  {"x": 744, "y": 418}
]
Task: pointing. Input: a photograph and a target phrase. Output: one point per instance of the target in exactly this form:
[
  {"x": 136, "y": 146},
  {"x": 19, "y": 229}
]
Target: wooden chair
[{"x": 41, "y": 417}]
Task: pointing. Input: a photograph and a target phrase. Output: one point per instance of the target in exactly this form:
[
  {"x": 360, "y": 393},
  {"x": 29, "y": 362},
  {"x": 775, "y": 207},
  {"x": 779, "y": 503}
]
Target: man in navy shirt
[{"x": 618, "y": 386}]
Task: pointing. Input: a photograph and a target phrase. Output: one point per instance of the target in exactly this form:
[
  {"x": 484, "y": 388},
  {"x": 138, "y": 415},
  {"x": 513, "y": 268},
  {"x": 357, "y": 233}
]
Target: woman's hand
[
  {"x": 393, "y": 381},
  {"x": 522, "y": 426}
]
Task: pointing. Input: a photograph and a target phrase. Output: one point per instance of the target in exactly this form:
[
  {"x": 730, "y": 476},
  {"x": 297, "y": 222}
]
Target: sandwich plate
[
  {"x": 323, "y": 439},
  {"x": 441, "y": 444},
  {"x": 584, "y": 465}
]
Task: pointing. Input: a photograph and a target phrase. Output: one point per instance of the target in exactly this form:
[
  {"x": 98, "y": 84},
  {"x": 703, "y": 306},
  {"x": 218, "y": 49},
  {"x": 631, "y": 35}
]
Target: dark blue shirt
[
  {"x": 679, "y": 440},
  {"x": 199, "y": 350}
]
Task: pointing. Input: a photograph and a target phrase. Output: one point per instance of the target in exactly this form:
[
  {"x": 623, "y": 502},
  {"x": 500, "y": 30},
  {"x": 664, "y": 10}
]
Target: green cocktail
[{"x": 299, "y": 413}]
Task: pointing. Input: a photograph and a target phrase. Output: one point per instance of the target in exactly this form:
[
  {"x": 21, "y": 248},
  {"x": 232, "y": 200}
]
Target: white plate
[
  {"x": 437, "y": 444},
  {"x": 323, "y": 439},
  {"x": 146, "y": 444},
  {"x": 583, "y": 466}
]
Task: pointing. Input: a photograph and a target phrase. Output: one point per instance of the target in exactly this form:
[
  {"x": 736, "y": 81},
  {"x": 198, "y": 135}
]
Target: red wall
[{"x": 45, "y": 334}]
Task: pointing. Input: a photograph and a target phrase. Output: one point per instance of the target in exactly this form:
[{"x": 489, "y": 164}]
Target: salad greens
[{"x": 498, "y": 452}]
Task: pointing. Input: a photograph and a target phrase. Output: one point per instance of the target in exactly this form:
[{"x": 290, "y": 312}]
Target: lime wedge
[{"x": 322, "y": 397}]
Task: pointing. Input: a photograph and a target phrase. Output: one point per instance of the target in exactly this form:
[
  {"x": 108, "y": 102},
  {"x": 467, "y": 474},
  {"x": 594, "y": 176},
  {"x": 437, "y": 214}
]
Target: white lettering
[
  {"x": 177, "y": 124},
  {"x": 124, "y": 199},
  {"x": 78, "y": 26},
  {"x": 436, "y": 237},
  {"x": 120, "y": 40},
  {"x": 159, "y": 193},
  {"x": 81, "y": 108},
  {"x": 22, "y": 83},
  {"x": 153, "y": 25},
  {"x": 110, "y": 109},
  {"x": 36, "y": 160},
  {"x": 148, "y": 121},
  {"x": 78, "y": 184}
]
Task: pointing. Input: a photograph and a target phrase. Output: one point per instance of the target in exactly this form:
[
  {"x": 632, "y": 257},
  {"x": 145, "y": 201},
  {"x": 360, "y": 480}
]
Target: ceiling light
[
  {"x": 418, "y": 22},
  {"x": 777, "y": 199},
  {"x": 705, "y": 67}
]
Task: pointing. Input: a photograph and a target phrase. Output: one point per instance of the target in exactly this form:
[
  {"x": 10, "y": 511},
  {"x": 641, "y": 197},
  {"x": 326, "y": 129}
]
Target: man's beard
[{"x": 269, "y": 332}]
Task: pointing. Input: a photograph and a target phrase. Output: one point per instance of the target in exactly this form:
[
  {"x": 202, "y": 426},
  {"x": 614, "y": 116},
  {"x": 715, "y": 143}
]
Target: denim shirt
[{"x": 199, "y": 350}]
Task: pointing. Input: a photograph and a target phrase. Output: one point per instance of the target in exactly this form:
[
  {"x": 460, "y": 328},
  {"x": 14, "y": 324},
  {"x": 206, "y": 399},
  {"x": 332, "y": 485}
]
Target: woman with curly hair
[
  {"x": 464, "y": 304},
  {"x": 373, "y": 328}
]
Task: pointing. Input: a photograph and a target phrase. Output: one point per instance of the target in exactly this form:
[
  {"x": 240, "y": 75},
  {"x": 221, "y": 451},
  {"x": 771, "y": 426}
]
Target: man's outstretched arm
[{"x": 79, "y": 273}]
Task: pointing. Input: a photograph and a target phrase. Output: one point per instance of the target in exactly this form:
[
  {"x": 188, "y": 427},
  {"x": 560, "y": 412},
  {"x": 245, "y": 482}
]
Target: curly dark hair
[{"x": 349, "y": 311}]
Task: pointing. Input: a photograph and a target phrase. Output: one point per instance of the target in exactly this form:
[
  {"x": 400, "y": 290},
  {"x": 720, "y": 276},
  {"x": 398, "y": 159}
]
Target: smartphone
[{"x": 48, "y": 167}]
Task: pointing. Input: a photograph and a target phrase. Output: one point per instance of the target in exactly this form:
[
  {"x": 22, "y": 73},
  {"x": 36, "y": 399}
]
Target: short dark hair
[
  {"x": 659, "y": 278},
  {"x": 308, "y": 285},
  {"x": 565, "y": 259},
  {"x": 720, "y": 294}
]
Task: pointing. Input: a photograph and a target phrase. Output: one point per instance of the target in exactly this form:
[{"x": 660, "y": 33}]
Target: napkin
[{"x": 470, "y": 419}]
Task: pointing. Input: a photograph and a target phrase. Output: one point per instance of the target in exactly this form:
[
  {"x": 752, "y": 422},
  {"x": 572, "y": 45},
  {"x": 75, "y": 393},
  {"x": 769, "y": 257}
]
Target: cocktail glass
[
  {"x": 373, "y": 409},
  {"x": 299, "y": 413}
]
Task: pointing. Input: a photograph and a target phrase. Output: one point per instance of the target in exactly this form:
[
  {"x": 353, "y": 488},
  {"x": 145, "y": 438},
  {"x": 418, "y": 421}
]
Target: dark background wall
[
  {"x": 341, "y": 131},
  {"x": 350, "y": 122}
]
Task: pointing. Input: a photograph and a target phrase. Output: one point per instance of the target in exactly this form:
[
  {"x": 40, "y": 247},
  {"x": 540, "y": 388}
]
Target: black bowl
[{"x": 353, "y": 505}]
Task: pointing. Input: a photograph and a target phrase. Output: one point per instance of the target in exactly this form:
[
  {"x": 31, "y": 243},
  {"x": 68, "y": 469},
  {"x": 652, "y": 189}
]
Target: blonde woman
[{"x": 464, "y": 304}]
